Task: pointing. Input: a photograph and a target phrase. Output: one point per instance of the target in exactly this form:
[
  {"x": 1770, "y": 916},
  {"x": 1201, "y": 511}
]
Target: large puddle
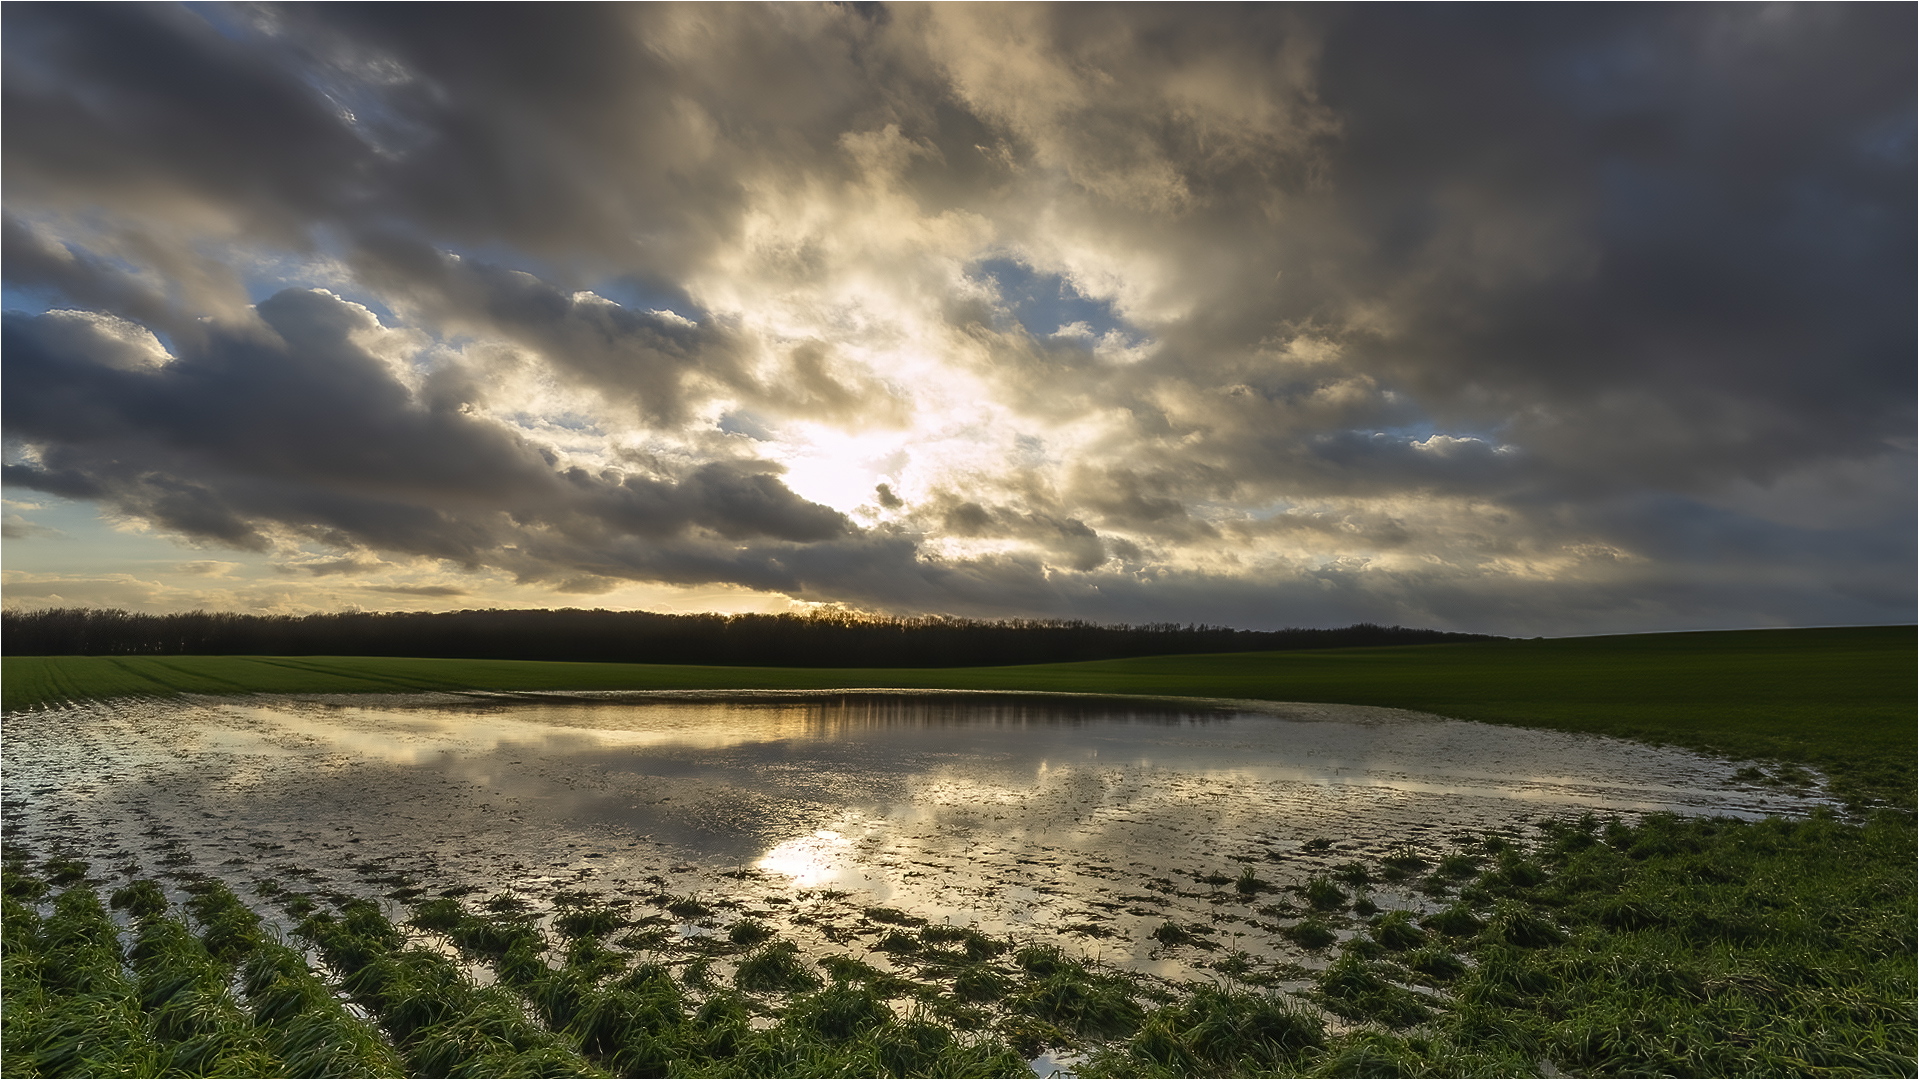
[{"x": 1084, "y": 821}]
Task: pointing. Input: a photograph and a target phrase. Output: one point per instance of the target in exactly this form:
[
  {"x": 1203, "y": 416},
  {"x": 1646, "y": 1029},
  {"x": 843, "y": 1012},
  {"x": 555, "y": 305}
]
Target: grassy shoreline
[{"x": 1841, "y": 699}]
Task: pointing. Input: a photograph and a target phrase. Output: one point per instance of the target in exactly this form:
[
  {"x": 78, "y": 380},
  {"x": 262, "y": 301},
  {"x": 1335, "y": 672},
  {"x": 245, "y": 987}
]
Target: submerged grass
[
  {"x": 1670, "y": 947},
  {"x": 1839, "y": 698}
]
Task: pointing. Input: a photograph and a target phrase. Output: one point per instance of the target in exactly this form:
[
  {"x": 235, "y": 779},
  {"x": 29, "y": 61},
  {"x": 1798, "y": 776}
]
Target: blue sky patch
[{"x": 1042, "y": 303}]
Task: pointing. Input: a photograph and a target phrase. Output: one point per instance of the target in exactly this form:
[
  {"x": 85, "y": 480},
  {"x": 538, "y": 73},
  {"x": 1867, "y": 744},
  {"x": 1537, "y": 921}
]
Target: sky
[{"x": 1520, "y": 320}]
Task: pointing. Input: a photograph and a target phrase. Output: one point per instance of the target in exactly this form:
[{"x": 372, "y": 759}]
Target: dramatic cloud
[{"x": 1528, "y": 322}]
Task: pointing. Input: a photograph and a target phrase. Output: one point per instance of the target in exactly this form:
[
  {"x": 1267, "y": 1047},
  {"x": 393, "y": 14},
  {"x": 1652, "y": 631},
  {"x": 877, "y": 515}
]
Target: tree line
[{"x": 788, "y": 640}]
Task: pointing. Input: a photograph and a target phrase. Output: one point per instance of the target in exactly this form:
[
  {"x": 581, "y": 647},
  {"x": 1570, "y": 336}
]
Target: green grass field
[{"x": 1841, "y": 699}]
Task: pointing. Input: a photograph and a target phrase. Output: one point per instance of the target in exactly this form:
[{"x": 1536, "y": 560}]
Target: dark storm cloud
[
  {"x": 588, "y": 136},
  {"x": 1069, "y": 540},
  {"x": 293, "y": 424},
  {"x": 1414, "y": 314},
  {"x": 1684, "y": 227},
  {"x": 150, "y": 107},
  {"x": 1658, "y": 248},
  {"x": 35, "y": 265}
]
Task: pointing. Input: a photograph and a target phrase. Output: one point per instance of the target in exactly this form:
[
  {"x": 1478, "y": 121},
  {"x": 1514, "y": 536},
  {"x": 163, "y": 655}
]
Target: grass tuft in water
[
  {"x": 894, "y": 941},
  {"x": 686, "y": 907},
  {"x": 1216, "y": 1032},
  {"x": 1354, "y": 874},
  {"x": 588, "y": 922},
  {"x": 229, "y": 928},
  {"x": 1455, "y": 921},
  {"x": 775, "y": 968},
  {"x": 1359, "y": 989},
  {"x": 1323, "y": 895},
  {"x": 748, "y": 932},
  {"x": 140, "y": 899},
  {"x": 1171, "y": 933},
  {"x": 1402, "y": 863},
  {"x": 1513, "y": 923},
  {"x": 1395, "y": 930},
  {"x": 892, "y": 915},
  {"x": 1311, "y": 934},
  {"x": 1248, "y": 883},
  {"x": 1069, "y": 994},
  {"x": 1437, "y": 965},
  {"x": 839, "y": 1012},
  {"x": 980, "y": 982}
]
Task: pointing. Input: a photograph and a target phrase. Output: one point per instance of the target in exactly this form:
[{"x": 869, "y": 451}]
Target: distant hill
[{"x": 827, "y": 640}]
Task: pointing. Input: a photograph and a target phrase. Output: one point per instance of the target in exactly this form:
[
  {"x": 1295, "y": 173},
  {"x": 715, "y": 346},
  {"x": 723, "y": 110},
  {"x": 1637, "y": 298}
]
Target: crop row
[
  {"x": 1674, "y": 946},
  {"x": 80, "y": 1003}
]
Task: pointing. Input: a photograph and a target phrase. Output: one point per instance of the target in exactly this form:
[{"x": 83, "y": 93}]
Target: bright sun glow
[
  {"x": 809, "y": 860},
  {"x": 841, "y": 470}
]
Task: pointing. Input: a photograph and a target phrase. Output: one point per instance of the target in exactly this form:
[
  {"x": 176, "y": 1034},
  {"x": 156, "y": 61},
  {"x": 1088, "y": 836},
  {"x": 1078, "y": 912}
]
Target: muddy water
[{"x": 1087, "y": 822}]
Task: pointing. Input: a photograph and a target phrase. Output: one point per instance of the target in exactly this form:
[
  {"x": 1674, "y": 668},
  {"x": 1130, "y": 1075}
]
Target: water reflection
[
  {"x": 1056, "y": 816},
  {"x": 809, "y": 860},
  {"x": 410, "y": 734}
]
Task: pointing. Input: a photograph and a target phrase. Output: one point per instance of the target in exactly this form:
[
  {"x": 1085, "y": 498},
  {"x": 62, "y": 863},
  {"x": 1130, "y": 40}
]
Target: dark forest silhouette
[{"x": 821, "y": 640}]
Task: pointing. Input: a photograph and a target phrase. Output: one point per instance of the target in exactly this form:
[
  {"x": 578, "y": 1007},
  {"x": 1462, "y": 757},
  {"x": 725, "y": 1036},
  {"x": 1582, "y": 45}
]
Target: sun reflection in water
[{"x": 808, "y": 860}]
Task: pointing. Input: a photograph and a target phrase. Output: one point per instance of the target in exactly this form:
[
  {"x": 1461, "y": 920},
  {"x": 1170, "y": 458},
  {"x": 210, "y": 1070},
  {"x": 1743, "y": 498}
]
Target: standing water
[{"x": 1091, "y": 822}]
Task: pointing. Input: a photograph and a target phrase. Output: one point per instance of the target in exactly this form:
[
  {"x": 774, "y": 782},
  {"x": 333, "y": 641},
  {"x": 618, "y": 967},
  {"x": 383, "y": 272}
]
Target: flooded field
[{"x": 831, "y": 818}]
